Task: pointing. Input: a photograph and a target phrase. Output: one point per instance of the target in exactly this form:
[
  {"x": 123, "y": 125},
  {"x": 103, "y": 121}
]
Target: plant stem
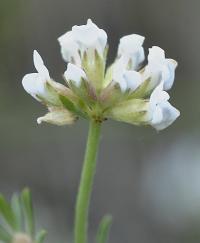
[{"x": 86, "y": 182}]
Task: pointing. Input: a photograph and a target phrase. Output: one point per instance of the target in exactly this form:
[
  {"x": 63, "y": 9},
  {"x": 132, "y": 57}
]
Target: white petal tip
[
  {"x": 35, "y": 52},
  {"x": 36, "y": 56},
  {"x": 39, "y": 120},
  {"x": 89, "y": 21},
  {"x": 37, "y": 59}
]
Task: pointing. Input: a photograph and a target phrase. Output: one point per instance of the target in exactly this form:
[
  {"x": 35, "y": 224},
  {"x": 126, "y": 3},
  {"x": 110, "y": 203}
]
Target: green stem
[{"x": 86, "y": 182}]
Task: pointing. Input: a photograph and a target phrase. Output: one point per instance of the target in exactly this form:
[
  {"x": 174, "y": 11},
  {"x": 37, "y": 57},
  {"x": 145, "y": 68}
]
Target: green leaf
[
  {"x": 40, "y": 237},
  {"x": 4, "y": 235},
  {"x": 28, "y": 211},
  {"x": 7, "y": 213},
  {"x": 103, "y": 230},
  {"x": 17, "y": 210}
]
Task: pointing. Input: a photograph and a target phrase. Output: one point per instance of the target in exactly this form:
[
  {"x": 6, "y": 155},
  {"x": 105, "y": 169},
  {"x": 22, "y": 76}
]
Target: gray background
[{"x": 148, "y": 181}]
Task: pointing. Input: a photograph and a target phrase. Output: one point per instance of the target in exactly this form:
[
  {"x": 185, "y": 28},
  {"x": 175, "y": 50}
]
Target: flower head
[{"x": 125, "y": 91}]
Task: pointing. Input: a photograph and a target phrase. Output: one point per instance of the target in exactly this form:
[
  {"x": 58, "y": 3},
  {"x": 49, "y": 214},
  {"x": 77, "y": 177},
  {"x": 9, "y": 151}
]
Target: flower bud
[{"x": 58, "y": 117}]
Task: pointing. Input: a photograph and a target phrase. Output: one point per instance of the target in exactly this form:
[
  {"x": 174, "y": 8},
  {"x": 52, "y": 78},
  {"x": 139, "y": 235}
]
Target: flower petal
[
  {"x": 69, "y": 48},
  {"x": 131, "y": 46},
  {"x": 75, "y": 74},
  {"x": 160, "y": 68},
  {"x": 169, "y": 115},
  {"x": 133, "y": 79},
  {"x": 33, "y": 84},
  {"x": 90, "y": 36},
  {"x": 162, "y": 113},
  {"x": 39, "y": 65},
  {"x": 158, "y": 96},
  {"x": 169, "y": 80}
]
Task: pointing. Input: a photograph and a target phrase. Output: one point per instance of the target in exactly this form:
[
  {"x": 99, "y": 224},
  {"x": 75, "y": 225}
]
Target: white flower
[
  {"x": 75, "y": 74},
  {"x": 160, "y": 68},
  {"x": 127, "y": 79},
  {"x": 80, "y": 39},
  {"x": 125, "y": 91},
  {"x": 34, "y": 83},
  {"x": 162, "y": 113},
  {"x": 130, "y": 46}
]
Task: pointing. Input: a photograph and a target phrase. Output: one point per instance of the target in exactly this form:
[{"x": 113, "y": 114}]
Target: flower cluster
[{"x": 126, "y": 91}]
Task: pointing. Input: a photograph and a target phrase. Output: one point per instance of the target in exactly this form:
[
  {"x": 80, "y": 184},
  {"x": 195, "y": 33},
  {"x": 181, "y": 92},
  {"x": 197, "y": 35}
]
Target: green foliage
[
  {"x": 5, "y": 236},
  {"x": 17, "y": 211},
  {"x": 103, "y": 230},
  {"x": 18, "y": 217},
  {"x": 26, "y": 202},
  {"x": 7, "y": 213},
  {"x": 40, "y": 237}
]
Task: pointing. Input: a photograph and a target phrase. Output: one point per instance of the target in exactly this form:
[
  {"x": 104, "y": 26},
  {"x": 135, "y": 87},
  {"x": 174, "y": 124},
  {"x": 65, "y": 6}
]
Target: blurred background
[{"x": 148, "y": 181}]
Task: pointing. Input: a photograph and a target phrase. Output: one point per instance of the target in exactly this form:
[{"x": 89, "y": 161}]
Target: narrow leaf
[
  {"x": 28, "y": 211},
  {"x": 103, "y": 230},
  {"x": 40, "y": 237},
  {"x": 16, "y": 207},
  {"x": 7, "y": 213}
]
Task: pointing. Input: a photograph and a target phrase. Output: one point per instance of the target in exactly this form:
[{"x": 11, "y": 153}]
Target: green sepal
[
  {"x": 17, "y": 210},
  {"x": 27, "y": 207},
  {"x": 71, "y": 107},
  {"x": 5, "y": 236},
  {"x": 103, "y": 230},
  {"x": 105, "y": 53},
  {"x": 108, "y": 76},
  {"x": 51, "y": 95},
  {"x": 133, "y": 111},
  {"x": 94, "y": 67},
  {"x": 110, "y": 96},
  {"x": 7, "y": 213},
  {"x": 40, "y": 237},
  {"x": 142, "y": 91},
  {"x": 85, "y": 91}
]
